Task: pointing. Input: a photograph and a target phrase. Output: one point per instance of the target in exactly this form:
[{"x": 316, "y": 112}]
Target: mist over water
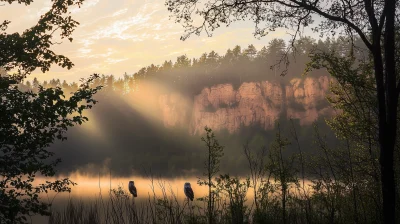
[
  {"x": 127, "y": 134},
  {"x": 149, "y": 120}
]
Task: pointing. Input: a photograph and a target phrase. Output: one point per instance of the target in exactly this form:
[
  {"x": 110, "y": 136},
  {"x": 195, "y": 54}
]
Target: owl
[
  {"x": 132, "y": 188},
  {"x": 188, "y": 191}
]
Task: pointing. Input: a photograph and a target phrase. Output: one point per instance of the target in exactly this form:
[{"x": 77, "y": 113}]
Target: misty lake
[{"x": 90, "y": 189}]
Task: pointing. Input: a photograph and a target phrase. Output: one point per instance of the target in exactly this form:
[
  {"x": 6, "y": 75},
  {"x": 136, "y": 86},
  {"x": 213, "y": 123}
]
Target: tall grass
[{"x": 121, "y": 207}]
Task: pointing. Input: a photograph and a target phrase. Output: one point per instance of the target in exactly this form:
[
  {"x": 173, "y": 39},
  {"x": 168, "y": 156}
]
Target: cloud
[
  {"x": 119, "y": 12},
  {"x": 87, "y": 53},
  {"x": 179, "y": 52},
  {"x": 115, "y": 60}
]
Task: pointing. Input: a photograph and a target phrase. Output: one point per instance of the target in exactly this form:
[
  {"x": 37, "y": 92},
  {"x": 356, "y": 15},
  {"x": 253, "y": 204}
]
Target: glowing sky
[{"x": 117, "y": 36}]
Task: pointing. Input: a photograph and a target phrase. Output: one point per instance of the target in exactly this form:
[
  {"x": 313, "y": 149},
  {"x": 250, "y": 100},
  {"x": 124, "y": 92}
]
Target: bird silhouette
[
  {"x": 132, "y": 188},
  {"x": 188, "y": 191}
]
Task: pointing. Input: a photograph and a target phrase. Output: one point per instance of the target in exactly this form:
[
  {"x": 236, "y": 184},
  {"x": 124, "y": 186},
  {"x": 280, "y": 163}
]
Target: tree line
[{"x": 236, "y": 66}]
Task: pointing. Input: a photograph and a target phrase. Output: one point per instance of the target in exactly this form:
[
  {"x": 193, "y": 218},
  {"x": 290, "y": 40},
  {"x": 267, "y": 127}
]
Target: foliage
[
  {"x": 354, "y": 94},
  {"x": 235, "y": 191},
  {"x": 282, "y": 170},
  {"x": 211, "y": 166},
  {"x": 30, "y": 121},
  {"x": 31, "y": 49}
]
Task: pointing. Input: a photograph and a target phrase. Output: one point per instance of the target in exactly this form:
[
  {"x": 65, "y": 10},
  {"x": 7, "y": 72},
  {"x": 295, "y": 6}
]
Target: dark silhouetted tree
[
  {"x": 211, "y": 165},
  {"x": 31, "y": 121}
]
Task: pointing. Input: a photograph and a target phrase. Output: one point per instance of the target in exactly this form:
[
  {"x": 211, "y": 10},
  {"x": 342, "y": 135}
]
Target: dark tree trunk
[
  {"x": 387, "y": 104},
  {"x": 388, "y": 116},
  {"x": 388, "y": 185},
  {"x": 210, "y": 209}
]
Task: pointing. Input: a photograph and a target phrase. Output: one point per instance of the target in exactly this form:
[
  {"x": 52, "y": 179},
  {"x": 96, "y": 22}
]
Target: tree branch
[{"x": 336, "y": 18}]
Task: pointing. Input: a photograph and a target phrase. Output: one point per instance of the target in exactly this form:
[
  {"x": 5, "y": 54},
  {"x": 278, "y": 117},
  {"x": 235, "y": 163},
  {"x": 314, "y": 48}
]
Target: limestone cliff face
[{"x": 223, "y": 107}]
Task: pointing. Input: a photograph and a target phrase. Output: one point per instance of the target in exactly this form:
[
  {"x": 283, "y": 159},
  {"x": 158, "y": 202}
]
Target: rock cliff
[{"x": 223, "y": 107}]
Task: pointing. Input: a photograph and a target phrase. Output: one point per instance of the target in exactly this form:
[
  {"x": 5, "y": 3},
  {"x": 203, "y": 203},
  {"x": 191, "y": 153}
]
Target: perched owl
[
  {"x": 132, "y": 188},
  {"x": 188, "y": 191}
]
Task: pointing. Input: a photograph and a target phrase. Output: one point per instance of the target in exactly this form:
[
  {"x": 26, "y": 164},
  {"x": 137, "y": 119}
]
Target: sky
[{"x": 118, "y": 36}]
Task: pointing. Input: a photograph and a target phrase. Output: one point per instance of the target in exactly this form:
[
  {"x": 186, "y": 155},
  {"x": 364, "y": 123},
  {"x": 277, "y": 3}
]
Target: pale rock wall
[{"x": 262, "y": 103}]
